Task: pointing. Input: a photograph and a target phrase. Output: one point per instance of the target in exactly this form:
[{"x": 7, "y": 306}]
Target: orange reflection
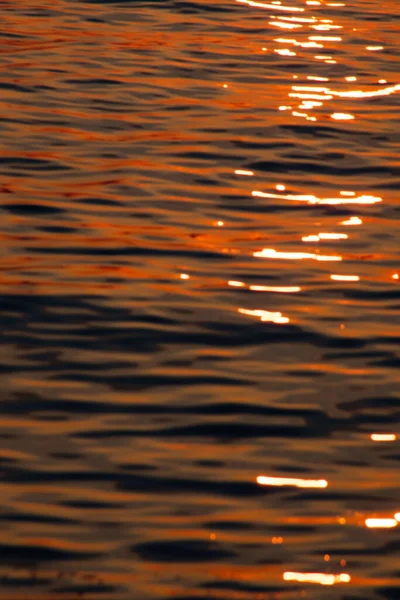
[
  {"x": 345, "y": 277},
  {"x": 271, "y": 288},
  {"x": 271, "y": 253},
  {"x": 300, "y": 483},
  {"x": 381, "y": 523},
  {"x": 236, "y": 284},
  {"x": 383, "y": 437},
  {"x": 342, "y": 116},
  {"x": 265, "y": 315},
  {"x": 321, "y": 578},
  {"x": 311, "y": 199},
  {"x": 333, "y": 236},
  {"x": 352, "y": 221},
  {"x": 244, "y": 172},
  {"x": 273, "y": 6}
]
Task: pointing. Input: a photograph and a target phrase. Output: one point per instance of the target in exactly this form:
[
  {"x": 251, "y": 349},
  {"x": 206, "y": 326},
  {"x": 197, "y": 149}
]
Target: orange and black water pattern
[{"x": 199, "y": 300}]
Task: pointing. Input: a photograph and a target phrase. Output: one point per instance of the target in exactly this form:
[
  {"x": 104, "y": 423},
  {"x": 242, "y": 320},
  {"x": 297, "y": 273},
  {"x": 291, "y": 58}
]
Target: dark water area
[{"x": 200, "y": 302}]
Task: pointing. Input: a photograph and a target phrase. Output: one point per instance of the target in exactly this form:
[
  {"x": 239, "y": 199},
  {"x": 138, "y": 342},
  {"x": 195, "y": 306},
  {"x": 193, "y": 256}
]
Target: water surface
[{"x": 199, "y": 281}]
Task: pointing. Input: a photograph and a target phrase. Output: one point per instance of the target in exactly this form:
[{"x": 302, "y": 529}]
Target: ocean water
[{"x": 199, "y": 300}]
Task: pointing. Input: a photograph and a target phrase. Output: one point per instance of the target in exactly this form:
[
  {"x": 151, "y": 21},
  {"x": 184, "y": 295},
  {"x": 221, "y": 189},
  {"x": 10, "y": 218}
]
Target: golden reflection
[
  {"x": 321, "y": 578},
  {"x": 300, "y": 483},
  {"x": 184, "y": 276},
  {"x": 324, "y": 236},
  {"x": 317, "y": 78},
  {"x": 236, "y": 284},
  {"x": 273, "y": 6},
  {"x": 271, "y": 253},
  {"x": 310, "y": 238},
  {"x": 342, "y": 117},
  {"x": 396, "y": 276},
  {"x": 265, "y": 315},
  {"x": 381, "y": 523},
  {"x": 383, "y": 437},
  {"x": 280, "y": 290},
  {"x": 284, "y": 25},
  {"x": 311, "y": 199},
  {"x": 397, "y": 517},
  {"x": 267, "y": 288},
  {"x": 244, "y": 172},
  {"x": 352, "y": 221},
  {"x": 345, "y": 277},
  {"x": 285, "y": 52}
]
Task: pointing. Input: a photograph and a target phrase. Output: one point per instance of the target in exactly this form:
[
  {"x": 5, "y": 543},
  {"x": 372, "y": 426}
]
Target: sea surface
[{"x": 199, "y": 300}]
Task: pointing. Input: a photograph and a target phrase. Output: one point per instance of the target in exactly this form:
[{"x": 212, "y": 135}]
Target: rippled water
[{"x": 200, "y": 300}]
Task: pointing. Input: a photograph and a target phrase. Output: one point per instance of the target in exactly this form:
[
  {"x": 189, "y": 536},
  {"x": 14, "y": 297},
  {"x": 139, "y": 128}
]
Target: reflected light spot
[
  {"x": 381, "y": 523},
  {"x": 352, "y": 78},
  {"x": 225, "y": 85},
  {"x": 333, "y": 236},
  {"x": 387, "y": 91},
  {"x": 321, "y": 578},
  {"x": 347, "y": 193},
  {"x": 352, "y": 221},
  {"x": 243, "y": 172},
  {"x": 374, "y": 48},
  {"x": 285, "y": 108},
  {"x": 311, "y": 199},
  {"x": 285, "y": 52},
  {"x": 309, "y": 104},
  {"x": 327, "y": 558},
  {"x": 236, "y": 283},
  {"x": 345, "y": 277},
  {"x": 342, "y": 117},
  {"x": 315, "y": 78},
  {"x": 277, "y": 540},
  {"x": 184, "y": 276},
  {"x": 300, "y": 483},
  {"x": 271, "y": 253},
  {"x": 324, "y": 38},
  {"x": 280, "y": 187},
  {"x": 271, "y": 288},
  {"x": 218, "y": 223},
  {"x": 274, "y": 6},
  {"x": 310, "y": 238},
  {"x": 382, "y": 81},
  {"x": 295, "y": 113},
  {"x": 397, "y": 517},
  {"x": 284, "y": 25},
  {"x": 395, "y": 276},
  {"x": 265, "y": 315},
  {"x": 383, "y": 437}
]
